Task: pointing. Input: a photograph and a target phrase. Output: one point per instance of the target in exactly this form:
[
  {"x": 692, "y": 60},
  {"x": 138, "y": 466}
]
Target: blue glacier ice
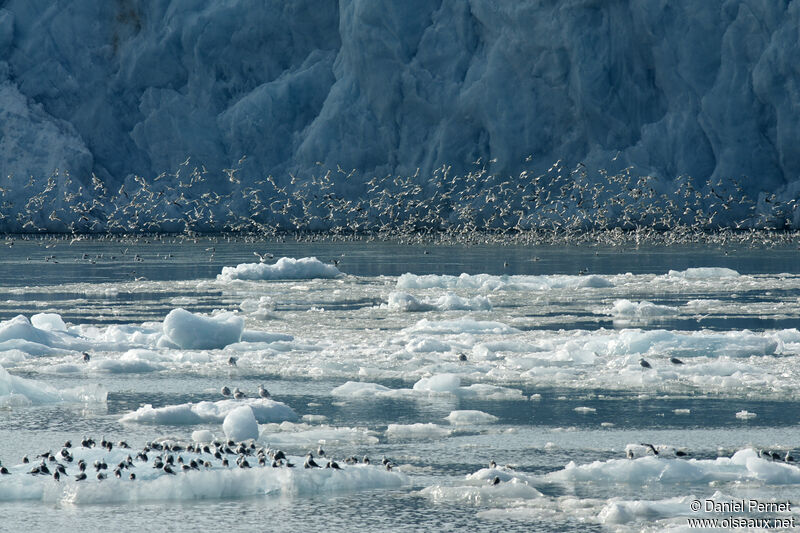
[{"x": 367, "y": 88}]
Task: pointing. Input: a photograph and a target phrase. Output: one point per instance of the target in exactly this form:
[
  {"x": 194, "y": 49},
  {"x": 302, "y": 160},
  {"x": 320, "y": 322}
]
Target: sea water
[{"x": 439, "y": 358}]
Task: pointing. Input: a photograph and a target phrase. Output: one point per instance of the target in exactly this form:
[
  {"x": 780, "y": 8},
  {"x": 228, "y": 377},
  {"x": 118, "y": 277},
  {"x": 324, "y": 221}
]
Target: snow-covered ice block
[
  {"x": 20, "y": 328},
  {"x": 19, "y": 392},
  {"x": 495, "y": 283},
  {"x": 744, "y": 465},
  {"x": 355, "y": 389},
  {"x": 202, "y": 436},
  {"x": 240, "y": 424},
  {"x": 462, "y": 325},
  {"x": 264, "y": 410},
  {"x": 470, "y": 417},
  {"x": 284, "y": 268},
  {"x": 703, "y": 273},
  {"x": 416, "y": 431},
  {"x": 197, "y": 332},
  {"x": 644, "y": 309},
  {"x": 404, "y": 302},
  {"x": 48, "y": 322},
  {"x": 302, "y": 434},
  {"x": 439, "y": 383}
]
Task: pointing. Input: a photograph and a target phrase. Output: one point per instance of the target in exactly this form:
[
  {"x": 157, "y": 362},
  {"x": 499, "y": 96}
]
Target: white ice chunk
[
  {"x": 439, "y": 383},
  {"x": 356, "y": 388},
  {"x": 470, "y": 417},
  {"x": 48, "y": 322},
  {"x": 264, "y": 410},
  {"x": 250, "y": 335},
  {"x": 416, "y": 431},
  {"x": 240, "y": 424},
  {"x": 284, "y": 268},
  {"x": 485, "y": 494},
  {"x": 462, "y": 325},
  {"x": 426, "y": 345},
  {"x": 128, "y": 363},
  {"x": 202, "y": 436},
  {"x": 745, "y": 465},
  {"x": 703, "y": 273},
  {"x": 453, "y": 302},
  {"x": 20, "y": 328},
  {"x": 16, "y": 391},
  {"x": 623, "y": 512},
  {"x": 643, "y": 309},
  {"x": 197, "y": 332},
  {"x": 291, "y": 434},
  {"x": 404, "y": 302},
  {"x": 494, "y": 283}
]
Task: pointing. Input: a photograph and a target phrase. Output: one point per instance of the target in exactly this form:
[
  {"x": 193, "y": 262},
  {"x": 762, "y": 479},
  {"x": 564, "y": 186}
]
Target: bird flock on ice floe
[{"x": 171, "y": 458}]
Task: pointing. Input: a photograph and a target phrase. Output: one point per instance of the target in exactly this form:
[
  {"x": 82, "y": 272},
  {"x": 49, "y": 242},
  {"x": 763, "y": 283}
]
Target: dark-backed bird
[
  {"x": 652, "y": 448},
  {"x": 310, "y": 462}
]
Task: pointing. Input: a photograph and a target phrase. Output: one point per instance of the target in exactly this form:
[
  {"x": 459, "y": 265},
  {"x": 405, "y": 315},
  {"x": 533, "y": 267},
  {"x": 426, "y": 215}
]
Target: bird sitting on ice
[
  {"x": 264, "y": 393},
  {"x": 310, "y": 462},
  {"x": 226, "y": 391}
]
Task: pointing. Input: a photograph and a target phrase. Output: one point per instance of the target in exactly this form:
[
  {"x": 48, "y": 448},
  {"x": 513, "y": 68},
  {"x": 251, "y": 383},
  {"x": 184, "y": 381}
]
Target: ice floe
[
  {"x": 196, "y": 332},
  {"x": 240, "y": 424},
  {"x": 302, "y": 434},
  {"x": 405, "y": 302},
  {"x": 494, "y": 283},
  {"x": 211, "y": 481},
  {"x": 462, "y": 325},
  {"x": 492, "y": 486},
  {"x": 703, "y": 273},
  {"x": 283, "y": 268},
  {"x": 416, "y": 431},
  {"x": 437, "y": 385},
  {"x": 19, "y": 392},
  {"x": 467, "y": 417},
  {"x": 643, "y": 309},
  {"x": 263, "y": 410},
  {"x": 744, "y": 465}
]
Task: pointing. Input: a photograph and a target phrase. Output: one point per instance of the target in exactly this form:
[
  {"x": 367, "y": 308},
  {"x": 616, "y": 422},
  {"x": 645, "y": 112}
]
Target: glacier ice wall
[{"x": 134, "y": 87}]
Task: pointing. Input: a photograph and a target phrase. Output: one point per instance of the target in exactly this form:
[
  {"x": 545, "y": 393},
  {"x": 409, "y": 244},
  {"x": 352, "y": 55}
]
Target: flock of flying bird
[{"x": 561, "y": 203}]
